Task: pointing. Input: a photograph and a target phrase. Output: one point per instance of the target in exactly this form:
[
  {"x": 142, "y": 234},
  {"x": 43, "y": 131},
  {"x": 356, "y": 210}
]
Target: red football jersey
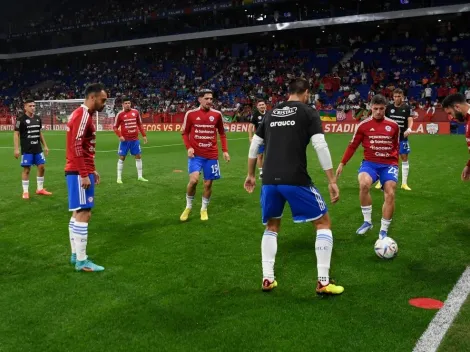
[
  {"x": 81, "y": 140},
  {"x": 380, "y": 139},
  {"x": 467, "y": 133},
  {"x": 128, "y": 124},
  {"x": 200, "y": 132}
]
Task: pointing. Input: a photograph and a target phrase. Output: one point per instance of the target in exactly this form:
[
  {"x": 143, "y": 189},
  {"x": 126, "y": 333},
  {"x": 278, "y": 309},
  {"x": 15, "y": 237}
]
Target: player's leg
[
  {"x": 272, "y": 207},
  {"x": 367, "y": 176},
  {"x": 389, "y": 178},
  {"x": 40, "y": 161},
  {"x": 26, "y": 163},
  {"x": 308, "y": 205},
  {"x": 73, "y": 256},
  {"x": 194, "y": 168},
  {"x": 405, "y": 165},
  {"x": 136, "y": 150},
  {"x": 260, "y": 160},
  {"x": 122, "y": 153},
  {"x": 211, "y": 171},
  {"x": 81, "y": 201}
]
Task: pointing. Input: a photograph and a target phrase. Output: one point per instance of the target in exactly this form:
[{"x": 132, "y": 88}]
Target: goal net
[{"x": 55, "y": 114}]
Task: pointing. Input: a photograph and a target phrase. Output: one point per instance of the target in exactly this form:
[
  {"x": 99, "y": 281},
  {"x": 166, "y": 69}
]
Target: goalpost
[{"x": 55, "y": 114}]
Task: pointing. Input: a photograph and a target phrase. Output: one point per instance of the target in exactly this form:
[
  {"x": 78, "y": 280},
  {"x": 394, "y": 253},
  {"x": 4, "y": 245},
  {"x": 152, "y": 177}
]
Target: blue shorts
[
  {"x": 210, "y": 167},
  {"x": 382, "y": 172},
  {"x": 80, "y": 198},
  {"x": 129, "y": 146},
  {"x": 405, "y": 146},
  {"x": 305, "y": 202},
  {"x": 261, "y": 149},
  {"x": 32, "y": 159}
]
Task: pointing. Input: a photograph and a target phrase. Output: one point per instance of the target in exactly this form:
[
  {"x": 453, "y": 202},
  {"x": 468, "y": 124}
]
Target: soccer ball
[{"x": 386, "y": 248}]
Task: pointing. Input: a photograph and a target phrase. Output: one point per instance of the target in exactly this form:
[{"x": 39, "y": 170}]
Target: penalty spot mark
[
  {"x": 426, "y": 303},
  {"x": 177, "y": 170}
]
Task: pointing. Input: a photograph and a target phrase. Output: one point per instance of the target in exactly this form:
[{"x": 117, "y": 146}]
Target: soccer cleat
[
  {"x": 25, "y": 195},
  {"x": 73, "y": 259},
  {"x": 43, "y": 192},
  {"x": 87, "y": 265},
  {"x": 366, "y": 226},
  {"x": 142, "y": 179},
  {"x": 119, "y": 181},
  {"x": 268, "y": 285},
  {"x": 330, "y": 289},
  {"x": 204, "y": 215},
  {"x": 378, "y": 185},
  {"x": 185, "y": 215},
  {"x": 382, "y": 234},
  {"x": 405, "y": 187}
]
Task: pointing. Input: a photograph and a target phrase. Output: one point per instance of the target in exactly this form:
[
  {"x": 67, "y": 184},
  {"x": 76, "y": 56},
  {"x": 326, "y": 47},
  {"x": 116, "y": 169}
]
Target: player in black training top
[
  {"x": 286, "y": 132},
  {"x": 400, "y": 112},
  {"x": 28, "y": 134},
  {"x": 257, "y": 118}
]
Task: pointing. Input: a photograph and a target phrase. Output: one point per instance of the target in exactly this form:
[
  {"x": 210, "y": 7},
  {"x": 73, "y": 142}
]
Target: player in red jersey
[
  {"x": 127, "y": 126},
  {"x": 380, "y": 138},
  {"x": 81, "y": 174},
  {"x": 200, "y": 129},
  {"x": 457, "y": 106}
]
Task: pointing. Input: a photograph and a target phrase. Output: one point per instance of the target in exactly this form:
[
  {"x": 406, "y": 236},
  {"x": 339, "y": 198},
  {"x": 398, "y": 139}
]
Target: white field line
[
  {"x": 434, "y": 334},
  {"x": 150, "y": 147}
]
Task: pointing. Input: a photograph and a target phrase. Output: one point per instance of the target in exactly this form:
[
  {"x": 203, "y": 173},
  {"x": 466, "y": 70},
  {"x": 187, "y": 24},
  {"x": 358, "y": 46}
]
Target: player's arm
[
  {"x": 256, "y": 142},
  {"x": 185, "y": 131},
  {"x": 117, "y": 125},
  {"x": 251, "y": 128},
  {"x": 78, "y": 130},
  {"x": 223, "y": 138},
  {"x": 16, "y": 138},
  {"x": 43, "y": 140},
  {"x": 141, "y": 128},
  {"x": 410, "y": 124},
  {"x": 351, "y": 149}
]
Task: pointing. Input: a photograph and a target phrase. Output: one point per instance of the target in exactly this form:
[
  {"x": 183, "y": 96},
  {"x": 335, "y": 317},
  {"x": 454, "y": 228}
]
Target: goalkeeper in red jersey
[
  {"x": 127, "y": 126},
  {"x": 200, "y": 129},
  {"x": 380, "y": 138},
  {"x": 81, "y": 174}
]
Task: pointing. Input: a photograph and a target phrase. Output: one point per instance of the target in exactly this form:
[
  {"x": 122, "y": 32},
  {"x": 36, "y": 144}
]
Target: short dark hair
[
  {"x": 398, "y": 91},
  {"x": 260, "y": 101},
  {"x": 378, "y": 100},
  {"x": 453, "y": 99},
  {"x": 203, "y": 92},
  {"x": 93, "y": 88},
  {"x": 28, "y": 101},
  {"x": 298, "y": 86},
  {"x": 124, "y": 99}
]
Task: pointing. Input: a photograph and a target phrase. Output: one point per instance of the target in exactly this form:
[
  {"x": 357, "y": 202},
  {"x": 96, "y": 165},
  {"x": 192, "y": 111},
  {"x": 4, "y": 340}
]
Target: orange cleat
[
  {"x": 25, "y": 195},
  {"x": 43, "y": 192}
]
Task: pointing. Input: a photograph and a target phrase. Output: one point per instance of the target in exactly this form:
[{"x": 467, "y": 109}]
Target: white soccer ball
[{"x": 386, "y": 248}]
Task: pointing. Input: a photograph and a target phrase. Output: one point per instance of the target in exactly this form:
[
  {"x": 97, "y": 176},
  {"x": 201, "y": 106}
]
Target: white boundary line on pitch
[
  {"x": 153, "y": 146},
  {"x": 437, "y": 329}
]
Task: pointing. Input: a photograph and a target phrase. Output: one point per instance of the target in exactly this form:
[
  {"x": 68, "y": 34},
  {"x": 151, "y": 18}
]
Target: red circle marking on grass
[
  {"x": 177, "y": 170},
  {"x": 426, "y": 303}
]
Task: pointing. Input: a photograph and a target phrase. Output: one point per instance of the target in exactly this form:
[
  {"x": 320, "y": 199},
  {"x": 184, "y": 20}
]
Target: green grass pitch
[{"x": 171, "y": 286}]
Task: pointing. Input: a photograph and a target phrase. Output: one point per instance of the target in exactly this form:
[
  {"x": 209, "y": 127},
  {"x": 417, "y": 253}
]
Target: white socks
[
  {"x": 189, "y": 201},
  {"x": 25, "y": 186},
  {"x": 323, "y": 249},
  {"x": 205, "y": 203},
  {"x": 268, "y": 254},
  {"x": 138, "y": 165},
  {"x": 405, "y": 169},
  {"x": 367, "y": 212},
  {"x": 40, "y": 181},
  {"x": 72, "y": 241},
  {"x": 80, "y": 232},
  {"x": 120, "y": 166},
  {"x": 385, "y": 224}
]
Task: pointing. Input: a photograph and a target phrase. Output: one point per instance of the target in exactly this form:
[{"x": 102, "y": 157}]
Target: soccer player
[
  {"x": 257, "y": 118},
  {"x": 456, "y": 105},
  {"x": 127, "y": 126},
  {"x": 379, "y": 136},
  {"x": 28, "y": 134},
  {"x": 400, "y": 112},
  {"x": 200, "y": 129},
  {"x": 286, "y": 131},
  {"x": 81, "y": 174}
]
